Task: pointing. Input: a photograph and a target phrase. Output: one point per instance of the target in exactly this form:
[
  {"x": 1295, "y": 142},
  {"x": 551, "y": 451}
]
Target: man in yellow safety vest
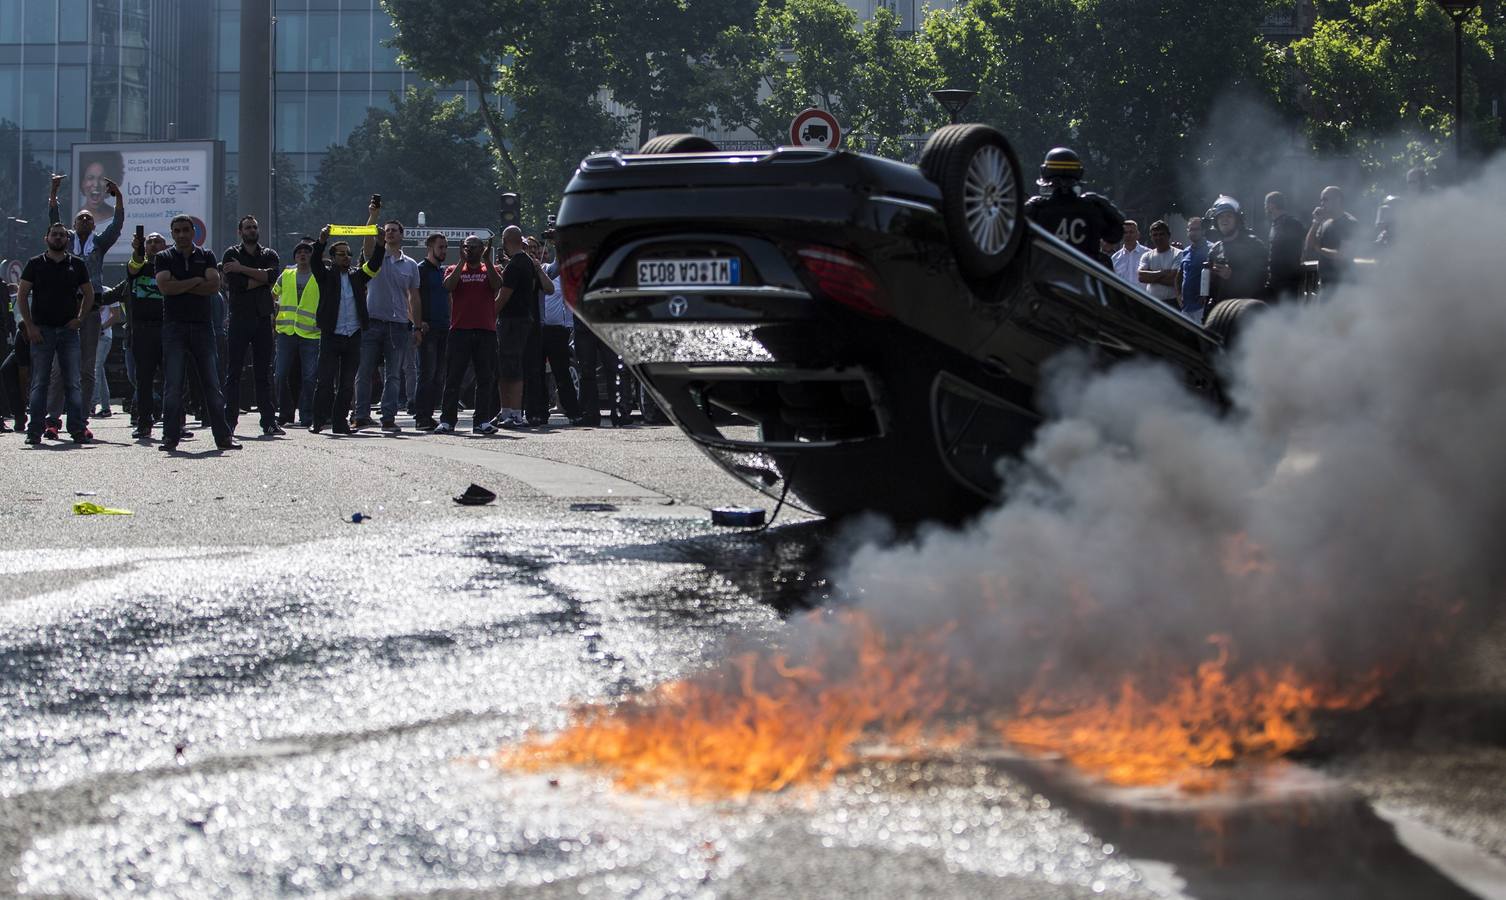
[{"x": 297, "y": 294}]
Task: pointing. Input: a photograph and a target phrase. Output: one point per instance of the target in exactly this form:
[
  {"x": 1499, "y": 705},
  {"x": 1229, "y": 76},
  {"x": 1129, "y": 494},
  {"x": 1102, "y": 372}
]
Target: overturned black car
[{"x": 884, "y": 327}]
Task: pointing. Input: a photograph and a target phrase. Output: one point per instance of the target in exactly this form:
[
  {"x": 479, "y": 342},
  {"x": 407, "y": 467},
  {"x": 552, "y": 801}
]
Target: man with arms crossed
[
  {"x": 54, "y": 298},
  {"x": 188, "y": 278}
]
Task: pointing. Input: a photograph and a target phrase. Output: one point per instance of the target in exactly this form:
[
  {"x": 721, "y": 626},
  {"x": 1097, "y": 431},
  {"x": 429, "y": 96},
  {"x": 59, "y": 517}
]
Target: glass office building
[
  {"x": 98, "y": 70},
  {"x": 329, "y": 68}
]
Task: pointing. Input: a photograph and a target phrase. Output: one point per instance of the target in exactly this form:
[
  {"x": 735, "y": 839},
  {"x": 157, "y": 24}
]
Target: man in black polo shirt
[
  {"x": 249, "y": 271},
  {"x": 53, "y": 297},
  {"x": 188, "y": 278}
]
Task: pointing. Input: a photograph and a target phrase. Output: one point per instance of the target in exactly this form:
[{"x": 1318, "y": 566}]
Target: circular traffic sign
[{"x": 816, "y": 128}]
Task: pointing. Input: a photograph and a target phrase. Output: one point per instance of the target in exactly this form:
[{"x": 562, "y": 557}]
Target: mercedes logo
[{"x": 678, "y": 305}]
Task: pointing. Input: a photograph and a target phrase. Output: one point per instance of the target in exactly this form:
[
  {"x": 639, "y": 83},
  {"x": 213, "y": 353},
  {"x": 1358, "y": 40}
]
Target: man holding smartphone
[{"x": 84, "y": 242}]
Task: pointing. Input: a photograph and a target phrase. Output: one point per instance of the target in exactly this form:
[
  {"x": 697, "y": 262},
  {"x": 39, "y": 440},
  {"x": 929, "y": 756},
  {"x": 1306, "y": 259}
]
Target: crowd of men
[
  {"x": 332, "y": 339},
  {"x": 1222, "y": 257}
]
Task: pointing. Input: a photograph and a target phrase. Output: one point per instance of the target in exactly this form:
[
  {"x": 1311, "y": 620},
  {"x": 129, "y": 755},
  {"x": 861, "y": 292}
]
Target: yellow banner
[{"x": 354, "y": 230}]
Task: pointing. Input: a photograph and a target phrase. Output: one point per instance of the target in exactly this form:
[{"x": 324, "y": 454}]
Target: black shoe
[
  {"x": 141, "y": 434},
  {"x": 4, "y": 428},
  {"x": 538, "y": 422},
  {"x": 285, "y": 420},
  {"x": 425, "y": 425},
  {"x": 272, "y": 430},
  {"x": 358, "y": 424},
  {"x": 316, "y": 428},
  {"x": 187, "y": 436},
  {"x": 586, "y": 422},
  {"x": 33, "y": 439},
  {"x": 341, "y": 429},
  {"x": 81, "y": 437},
  {"x": 231, "y": 444},
  {"x": 165, "y": 447},
  {"x": 390, "y": 426}
]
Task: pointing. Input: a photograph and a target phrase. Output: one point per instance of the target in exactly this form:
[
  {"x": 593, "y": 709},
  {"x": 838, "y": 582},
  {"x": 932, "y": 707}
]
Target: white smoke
[{"x": 1347, "y": 509}]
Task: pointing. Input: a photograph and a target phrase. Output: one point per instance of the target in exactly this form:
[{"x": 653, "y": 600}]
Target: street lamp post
[
  {"x": 1458, "y": 10},
  {"x": 953, "y": 100}
]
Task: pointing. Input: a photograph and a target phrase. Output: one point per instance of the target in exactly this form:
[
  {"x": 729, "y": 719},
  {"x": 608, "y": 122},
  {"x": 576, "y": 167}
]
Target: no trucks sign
[{"x": 816, "y": 128}]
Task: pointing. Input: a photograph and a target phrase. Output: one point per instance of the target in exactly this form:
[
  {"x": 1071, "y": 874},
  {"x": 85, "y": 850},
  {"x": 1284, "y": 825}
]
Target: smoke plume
[{"x": 1346, "y": 515}]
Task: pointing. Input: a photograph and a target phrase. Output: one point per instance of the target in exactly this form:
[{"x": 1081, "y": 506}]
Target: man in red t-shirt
[{"x": 473, "y": 287}]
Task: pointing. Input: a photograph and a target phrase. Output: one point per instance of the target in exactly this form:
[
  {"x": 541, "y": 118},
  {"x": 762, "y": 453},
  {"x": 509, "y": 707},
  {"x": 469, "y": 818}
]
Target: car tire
[
  {"x": 982, "y": 195},
  {"x": 1230, "y": 319},
  {"x": 677, "y": 143}
]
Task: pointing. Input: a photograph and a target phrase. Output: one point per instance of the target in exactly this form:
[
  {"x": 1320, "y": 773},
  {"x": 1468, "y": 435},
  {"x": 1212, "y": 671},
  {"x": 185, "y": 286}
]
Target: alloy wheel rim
[{"x": 989, "y": 199}]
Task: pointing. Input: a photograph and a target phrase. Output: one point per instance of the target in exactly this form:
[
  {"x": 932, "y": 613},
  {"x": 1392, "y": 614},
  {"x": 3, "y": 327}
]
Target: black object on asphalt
[
  {"x": 737, "y": 517},
  {"x": 593, "y": 507},
  {"x": 475, "y": 495}
]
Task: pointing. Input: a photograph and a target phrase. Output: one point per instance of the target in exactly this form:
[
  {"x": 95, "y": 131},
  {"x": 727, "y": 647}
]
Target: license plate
[{"x": 688, "y": 272}]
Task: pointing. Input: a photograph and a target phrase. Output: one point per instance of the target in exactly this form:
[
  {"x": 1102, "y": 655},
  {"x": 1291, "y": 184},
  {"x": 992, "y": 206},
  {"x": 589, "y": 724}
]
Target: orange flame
[
  {"x": 762, "y": 724},
  {"x": 1185, "y": 733}
]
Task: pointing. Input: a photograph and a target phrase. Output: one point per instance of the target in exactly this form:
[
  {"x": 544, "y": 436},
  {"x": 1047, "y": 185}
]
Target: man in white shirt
[
  {"x": 1158, "y": 271},
  {"x": 1127, "y": 257}
]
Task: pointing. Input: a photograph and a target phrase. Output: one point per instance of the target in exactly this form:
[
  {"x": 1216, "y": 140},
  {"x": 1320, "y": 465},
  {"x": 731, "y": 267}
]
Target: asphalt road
[{"x": 238, "y": 693}]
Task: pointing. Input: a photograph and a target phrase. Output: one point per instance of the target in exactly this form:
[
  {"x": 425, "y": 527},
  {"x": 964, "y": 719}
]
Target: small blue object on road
[{"x": 358, "y": 518}]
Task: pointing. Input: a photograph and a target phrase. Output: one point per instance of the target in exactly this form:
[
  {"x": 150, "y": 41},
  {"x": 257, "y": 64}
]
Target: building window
[
  {"x": 352, "y": 113},
  {"x": 229, "y": 112},
  {"x": 10, "y": 94},
  {"x": 292, "y": 41},
  {"x": 229, "y": 49},
  {"x": 73, "y": 97},
  {"x": 355, "y": 42},
  {"x": 383, "y": 58},
  {"x": 40, "y": 25},
  {"x": 323, "y": 120},
  {"x": 10, "y": 21},
  {"x": 73, "y": 21},
  {"x": 36, "y": 98},
  {"x": 324, "y": 41},
  {"x": 290, "y": 124}
]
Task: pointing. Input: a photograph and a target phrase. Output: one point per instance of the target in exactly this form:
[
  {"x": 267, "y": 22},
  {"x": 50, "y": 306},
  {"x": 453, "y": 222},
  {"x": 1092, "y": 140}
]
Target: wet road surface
[{"x": 311, "y": 719}]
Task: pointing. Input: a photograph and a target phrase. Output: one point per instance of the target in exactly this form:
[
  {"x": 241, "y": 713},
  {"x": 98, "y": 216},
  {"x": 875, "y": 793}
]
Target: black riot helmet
[{"x": 1061, "y": 169}]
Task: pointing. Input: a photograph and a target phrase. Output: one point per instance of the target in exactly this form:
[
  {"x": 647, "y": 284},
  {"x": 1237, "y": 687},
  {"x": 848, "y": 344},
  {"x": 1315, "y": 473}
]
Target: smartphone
[
  {"x": 376, "y": 200},
  {"x": 141, "y": 233}
]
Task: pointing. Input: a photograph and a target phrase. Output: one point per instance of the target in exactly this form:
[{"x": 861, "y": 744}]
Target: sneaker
[
  {"x": 231, "y": 444},
  {"x": 390, "y": 426},
  {"x": 484, "y": 428},
  {"x": 51, "y": 433},
  {"x": 104, "y": 413},
  {"x": 81, "y": 437},
  {"x": 272, "y": 430},
  {"x": 425, "y": 425},
  {"x": 515, "y": 421},
  {"x": 358, "y": 424},
  {"x": 4, "y": 428},
  {"x": 33, "y": 439},
  {"x": 165, "y": 447},
  {"x": 315, "y": 428},
  {"x": 141, "y": 434},
  {"x": 444, "y": 428},
  {"x": 186, "y": 435}
]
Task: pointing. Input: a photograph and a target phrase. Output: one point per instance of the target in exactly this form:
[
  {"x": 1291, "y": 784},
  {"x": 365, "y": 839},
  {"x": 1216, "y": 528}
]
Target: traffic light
[{"x": 509, "y": 209}]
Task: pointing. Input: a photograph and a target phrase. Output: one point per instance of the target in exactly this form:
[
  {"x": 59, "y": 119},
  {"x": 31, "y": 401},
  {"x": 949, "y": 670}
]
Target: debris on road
[
  {"x": 737, "y": 517},
  {"x": 475, "y": 495},
  {"x": 593, "y": 507},
  {"x": 358, "y": 518},
  {"x": 86, "y": 508}
]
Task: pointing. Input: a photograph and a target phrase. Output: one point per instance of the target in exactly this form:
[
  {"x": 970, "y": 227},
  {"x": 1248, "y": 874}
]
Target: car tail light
[
  {"x": 844, "y": 278},
  {"x": 573, "y": 277}
]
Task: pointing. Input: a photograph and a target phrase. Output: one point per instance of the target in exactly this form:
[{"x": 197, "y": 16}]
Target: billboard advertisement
[{"x": 159, "y": 181}]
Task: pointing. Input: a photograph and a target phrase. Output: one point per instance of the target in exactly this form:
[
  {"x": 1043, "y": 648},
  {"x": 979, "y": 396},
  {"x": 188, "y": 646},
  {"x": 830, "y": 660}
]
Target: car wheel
[
  {"x": 1231, "y": 318},
  {"x": 982, "y": 195},
  {"x": 678, "y": 143}
]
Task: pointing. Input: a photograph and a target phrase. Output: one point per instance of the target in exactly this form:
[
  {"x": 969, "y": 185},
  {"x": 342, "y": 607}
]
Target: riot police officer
[{"x": 1083, "y": 220}]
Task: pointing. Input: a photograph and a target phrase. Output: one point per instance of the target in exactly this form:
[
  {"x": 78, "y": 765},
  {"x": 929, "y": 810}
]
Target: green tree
[
  {"x": 538, "y": 68},
  {"x": 1377, "y": 80},
  {"x": 23, "y": 192},
  {"x": 422, "y": 155}
]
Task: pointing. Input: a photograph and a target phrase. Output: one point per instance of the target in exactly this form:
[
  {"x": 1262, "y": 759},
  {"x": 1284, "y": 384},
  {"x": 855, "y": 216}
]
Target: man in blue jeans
[
  {"x": 189, "y": 278},
  {"x": 53, "y": 297},
  {"x": 433, "y": 332},
  {"x": 393, "y": 304}
]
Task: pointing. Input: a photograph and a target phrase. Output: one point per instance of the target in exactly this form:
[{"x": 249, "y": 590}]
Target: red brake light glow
[{"x": 844, "y": 278}]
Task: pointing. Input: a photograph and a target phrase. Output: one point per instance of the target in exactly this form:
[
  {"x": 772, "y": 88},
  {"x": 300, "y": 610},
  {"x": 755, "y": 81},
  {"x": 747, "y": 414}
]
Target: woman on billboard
[{"x": 97, "y": 168}]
